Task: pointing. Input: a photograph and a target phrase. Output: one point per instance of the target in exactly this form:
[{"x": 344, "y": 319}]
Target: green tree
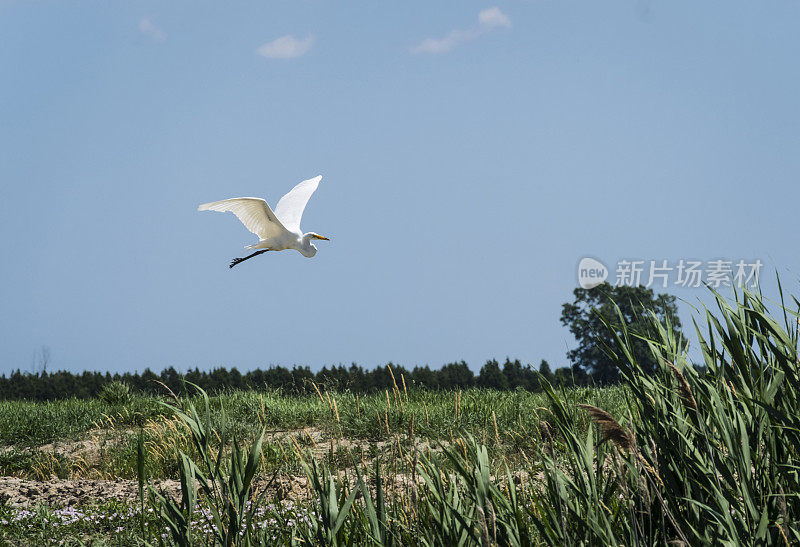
[
  {"x": 564, "y": 377},
  {"x": 456, "y": 376},
  {"x": 425, "y": 377},
  {"x": 545, "y": 371},
  {"x": 592, "y": 318},
  {"x": 519, "y": 376},
  {"x": 492, "y": 377}
]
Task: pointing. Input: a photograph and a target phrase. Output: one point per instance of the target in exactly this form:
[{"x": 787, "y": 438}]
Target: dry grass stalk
[
  {"x": 496, "y": 433},
  {"x": 296, "y": 445},
  {"x": 44, "y": 466},
  {"x": 684, "y": 390},
  {"x": 414, "y": 489},
  {"x": 651, "y": 470},
  {"x": 330, "y": 405},
  {"x": 493, "y": 522},
  {"x": 783, "y": 534},
  {"x": 398, "y": 399},
  {"x": 483, "y": 528},
  {"x": 525, "y": 457},
  {"x": 732, "y": 389},
  {"x": 547, "y": 437},
  {"x": 81, "y": 467},
  {"x": 165, "y": 386},
  {"x": 654, "y": 451},
  {"x": 285, "y": 457},
  {"x": 358, "y": 406},
  {"x": 427, "y": 419},
  {"x": 403, "y": 379},
  {"x": 391, "y": 373},
  {"x": 318, "y": 392},
  {"x": 609, "y": 427},
  {"x": 313, "y": 442}
]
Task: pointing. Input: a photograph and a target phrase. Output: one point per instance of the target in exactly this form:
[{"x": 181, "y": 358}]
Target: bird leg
[{"x": 235, "y": 261}]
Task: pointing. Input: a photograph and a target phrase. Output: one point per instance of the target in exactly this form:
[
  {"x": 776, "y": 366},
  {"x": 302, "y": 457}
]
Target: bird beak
[{"x": 317, "y": 236}]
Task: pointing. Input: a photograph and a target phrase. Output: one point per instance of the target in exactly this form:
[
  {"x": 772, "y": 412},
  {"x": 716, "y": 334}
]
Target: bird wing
[
  {"x": 290, "y": 208},
  {"x": 254, "y": 213}
]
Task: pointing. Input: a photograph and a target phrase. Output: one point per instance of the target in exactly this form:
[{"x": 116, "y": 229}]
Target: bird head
[{"x": 311, "y": 249}]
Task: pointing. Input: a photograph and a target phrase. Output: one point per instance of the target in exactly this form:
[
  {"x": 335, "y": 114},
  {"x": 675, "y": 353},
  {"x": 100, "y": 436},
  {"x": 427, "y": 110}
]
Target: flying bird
[{"x": 276, "y": 231}]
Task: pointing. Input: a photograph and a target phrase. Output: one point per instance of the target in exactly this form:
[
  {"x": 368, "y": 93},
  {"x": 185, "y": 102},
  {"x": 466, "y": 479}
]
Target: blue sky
[{"x": 472, "y": 154}]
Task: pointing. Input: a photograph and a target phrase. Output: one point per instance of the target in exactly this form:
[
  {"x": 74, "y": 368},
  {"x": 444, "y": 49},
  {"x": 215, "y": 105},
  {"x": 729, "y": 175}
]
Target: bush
[{"x": 116, "y": 393}]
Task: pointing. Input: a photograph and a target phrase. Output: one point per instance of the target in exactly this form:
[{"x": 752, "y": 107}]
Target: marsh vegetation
[{"x": 677, "y": 454}]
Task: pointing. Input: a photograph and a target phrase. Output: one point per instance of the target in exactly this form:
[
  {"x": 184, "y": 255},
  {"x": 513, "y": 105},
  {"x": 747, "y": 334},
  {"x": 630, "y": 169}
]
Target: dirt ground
[
  {"x": 63, "y": 492},
  {"x": 27, "y": 492}
]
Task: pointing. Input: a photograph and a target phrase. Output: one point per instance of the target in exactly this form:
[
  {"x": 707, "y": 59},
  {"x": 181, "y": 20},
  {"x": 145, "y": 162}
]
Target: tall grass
[
  {"x": 225, "y": 481},
  {"x": 692, "y": 458}
]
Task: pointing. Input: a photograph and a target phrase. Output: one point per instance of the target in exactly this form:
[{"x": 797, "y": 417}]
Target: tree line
[
  {"x": 596, "y": 317},
  {"x": 47, "y": 386}
]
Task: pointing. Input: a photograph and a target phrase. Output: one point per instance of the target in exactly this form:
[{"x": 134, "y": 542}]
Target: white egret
[{"x": 276, "y": 231}]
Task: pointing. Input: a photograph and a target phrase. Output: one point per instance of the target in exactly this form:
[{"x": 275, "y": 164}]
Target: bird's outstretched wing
[
  {"x": 290, "y": 208},
  {"x": 254, "y": 213}
]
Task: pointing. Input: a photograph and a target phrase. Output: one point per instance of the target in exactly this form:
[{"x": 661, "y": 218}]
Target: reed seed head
[{"x": 610, "y": 428}]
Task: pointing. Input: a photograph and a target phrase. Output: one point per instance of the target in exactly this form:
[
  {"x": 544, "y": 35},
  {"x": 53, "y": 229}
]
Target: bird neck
[{"x": 307, "y": 248}]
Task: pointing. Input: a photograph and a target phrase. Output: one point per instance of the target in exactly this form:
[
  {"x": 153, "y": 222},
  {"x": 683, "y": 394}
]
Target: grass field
[
  {"x": 95, "y": 440},
  {"x": 74, "y": 439},
  {"x": 682, "y": 456}
]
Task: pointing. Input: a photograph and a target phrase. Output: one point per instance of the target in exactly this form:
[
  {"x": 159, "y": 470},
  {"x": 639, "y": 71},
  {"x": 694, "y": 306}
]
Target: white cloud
[
  {"x": 286, "y": 47},
  {"x": 147, "y": 28},
  {"x": 488, "y": 20},
  {"x": 444, "y": 44},
  {"x": 493, "y": 17}
]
